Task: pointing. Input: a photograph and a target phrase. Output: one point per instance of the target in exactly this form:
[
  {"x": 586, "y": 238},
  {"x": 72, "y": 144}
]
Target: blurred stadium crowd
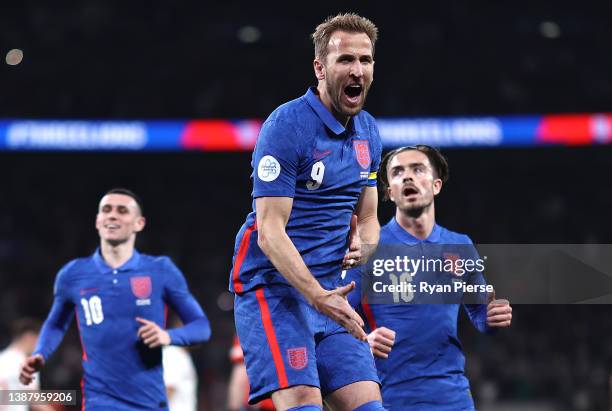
[
  {"x": 232, "y": 59},
  {"x": 238, "y": 59}
]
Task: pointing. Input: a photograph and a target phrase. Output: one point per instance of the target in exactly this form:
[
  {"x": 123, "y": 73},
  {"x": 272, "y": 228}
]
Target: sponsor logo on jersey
[
  {"x": 88, "y": 290},
  {"x": 319, "y": 155},
  {"x": 362, "y": 153},
  {"x": 298, "y": 357},
  {"x": 268, "y": 168}
]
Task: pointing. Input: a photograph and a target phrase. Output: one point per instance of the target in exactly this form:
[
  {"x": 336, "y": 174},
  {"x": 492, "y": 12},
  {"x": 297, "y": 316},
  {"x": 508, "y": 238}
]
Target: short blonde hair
[{"x": 349, "y": 22}]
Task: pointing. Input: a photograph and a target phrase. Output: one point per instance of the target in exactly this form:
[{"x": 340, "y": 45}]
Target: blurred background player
[
  {"x": 180, "y": 376},
  {"x": 419, "y": 356},
  {"x": 314, "y": 165},
  {"x": 120, "y": 298},
  {"x": 238, "y": 388},
  {"x": 24, "y": 334}
]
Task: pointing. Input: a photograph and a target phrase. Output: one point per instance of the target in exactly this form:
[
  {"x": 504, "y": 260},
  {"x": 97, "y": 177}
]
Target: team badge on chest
[
  {"x": 362, "y": 153},
  {"x": 141, "y": 288}
]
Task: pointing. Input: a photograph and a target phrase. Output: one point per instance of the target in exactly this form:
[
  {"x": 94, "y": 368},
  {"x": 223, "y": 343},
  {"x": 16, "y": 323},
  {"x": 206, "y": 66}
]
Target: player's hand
[
  {"x": 334, "y": 304},
  {"x": 381, "y": 341},
  {"x": 353, "y": 257},
  {"x": 499, "y": 312},
  {"x": 152, "y": 334},
  {"x": 31, "y": 365}
]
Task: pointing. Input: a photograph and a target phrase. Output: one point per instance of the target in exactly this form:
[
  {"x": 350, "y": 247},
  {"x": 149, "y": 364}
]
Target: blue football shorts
[{"x": 286, "y": 342}]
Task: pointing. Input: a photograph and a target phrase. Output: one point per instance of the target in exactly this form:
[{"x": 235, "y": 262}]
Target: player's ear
[
  {"x": 98, "y": 222},
  {"x": 389, "y": 196},
  {"x": 319, "y": 69},
  {"x": 437, "y": 186},
  {"x": 140, "y": 224}
]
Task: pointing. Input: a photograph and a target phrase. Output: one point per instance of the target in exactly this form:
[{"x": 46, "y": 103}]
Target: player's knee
[
  {"x": 371, "y": 406},
  {"x": 298, "y": 396},
  {"x": 308, "y": 407}
]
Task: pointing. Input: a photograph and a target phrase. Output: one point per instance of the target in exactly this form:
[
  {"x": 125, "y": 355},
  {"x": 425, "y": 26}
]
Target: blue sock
[
  {"x": 308, "y": 407},
  {"x": 371, "y": 406}
]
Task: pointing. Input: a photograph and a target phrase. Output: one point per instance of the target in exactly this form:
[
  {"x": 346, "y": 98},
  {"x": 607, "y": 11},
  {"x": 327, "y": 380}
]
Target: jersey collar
[
  {"x": 130, "y": 264},
  {"x": 404, "y": 236},
  {"x": 355, "y": 123},
  {"x": 324, "y": 114}
]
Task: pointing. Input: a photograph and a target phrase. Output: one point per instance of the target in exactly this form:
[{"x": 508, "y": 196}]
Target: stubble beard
[
  {"x": 114, "y": 242},
  {"x": 337, "y": 93},
  {"x": 415, "y": 210}
]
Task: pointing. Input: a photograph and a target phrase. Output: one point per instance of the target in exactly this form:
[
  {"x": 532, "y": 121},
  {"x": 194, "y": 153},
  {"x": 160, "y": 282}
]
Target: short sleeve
[
  {"x": 275, "y": 160},
  {"x": 376, "y": 147}
]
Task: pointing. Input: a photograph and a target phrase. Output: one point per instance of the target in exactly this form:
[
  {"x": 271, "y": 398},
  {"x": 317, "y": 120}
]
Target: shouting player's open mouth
[
  {"x": 353, "y": 93},
  {"x": 410, "y": 191}
]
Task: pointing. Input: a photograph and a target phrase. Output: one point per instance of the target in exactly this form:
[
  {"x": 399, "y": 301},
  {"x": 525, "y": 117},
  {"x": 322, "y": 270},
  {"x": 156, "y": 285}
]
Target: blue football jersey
[
  {"x": 425, "y": 369},
  {"x": 304, "y": 153},
  {"x": 120, "y": 372}
]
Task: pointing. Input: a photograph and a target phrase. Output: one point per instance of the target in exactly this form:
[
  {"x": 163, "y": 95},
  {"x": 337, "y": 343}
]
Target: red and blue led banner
[{"x": 240, "y": 135}]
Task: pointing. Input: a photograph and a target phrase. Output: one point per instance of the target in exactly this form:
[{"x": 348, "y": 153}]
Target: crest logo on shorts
[
  {"x": 362, "y": 152},
  {"x": 141, "y": 286},
  {"x": 298, "y": 357}
]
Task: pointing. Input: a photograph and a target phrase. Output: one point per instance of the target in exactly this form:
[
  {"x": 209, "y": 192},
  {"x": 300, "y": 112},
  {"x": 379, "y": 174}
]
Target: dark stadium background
[{"x": 147, "y": 60}]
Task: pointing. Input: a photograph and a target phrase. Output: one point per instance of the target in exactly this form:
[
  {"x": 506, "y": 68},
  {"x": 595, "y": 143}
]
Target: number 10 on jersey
[{"x": 92, "y": 309}]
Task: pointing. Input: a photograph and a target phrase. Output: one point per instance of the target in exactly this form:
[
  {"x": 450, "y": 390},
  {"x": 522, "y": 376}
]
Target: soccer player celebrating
[
  {"x": 314, "y": 165},
  {"x": 120, "y": 297},
  {"x": 419, "y": 357}
]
